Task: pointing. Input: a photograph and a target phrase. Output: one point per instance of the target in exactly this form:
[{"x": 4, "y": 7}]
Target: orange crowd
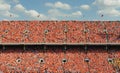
[
  {"x": 58, "y": 59},
  {"x": 59, "y": 32},
  {"x": 38, "y": 58}
]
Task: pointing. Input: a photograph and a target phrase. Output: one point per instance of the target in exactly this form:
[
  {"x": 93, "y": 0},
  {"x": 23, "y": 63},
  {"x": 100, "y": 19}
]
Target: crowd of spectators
[
  {"x": 58, "y": 59},
  {"x": 59, "y": 32},
  {"x": 62, "y": 58}
]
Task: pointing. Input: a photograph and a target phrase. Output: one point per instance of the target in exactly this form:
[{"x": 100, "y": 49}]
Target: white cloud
[
  {"x": 108, "y": 7},
  {"x": 107, "y": 3},
  {"x": 29, "y": 13},
  {"x": 110, "y": 12},
  {"x": 5, "y": 20},
  {"x": 57, "y": 13},
  {"x": 5, "y": 9},
  {"x": 60, "y": 5},
  {"x": 4, "y": 6},
  {"x": 77, "y": 13},
  {"x": 9, "y": 14},
  {"x": 19, "y": 7},
  {"x": 33, "y": 13},
  {"x": 16, "y": 1},
  {"x": 49, "y": 4},
  {"x": 85, "y": 7}
]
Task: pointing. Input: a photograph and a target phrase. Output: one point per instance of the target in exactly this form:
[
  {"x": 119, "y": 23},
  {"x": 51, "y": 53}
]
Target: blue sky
[{"x": 91, "y": 10}]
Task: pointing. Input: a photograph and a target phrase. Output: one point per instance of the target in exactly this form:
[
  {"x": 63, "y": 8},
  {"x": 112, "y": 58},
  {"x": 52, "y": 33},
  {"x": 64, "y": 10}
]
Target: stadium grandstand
[{"x": 60, "y": 46}]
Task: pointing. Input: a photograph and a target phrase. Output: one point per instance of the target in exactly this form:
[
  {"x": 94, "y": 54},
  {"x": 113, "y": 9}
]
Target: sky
[{"x": 82, "y": 10}]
